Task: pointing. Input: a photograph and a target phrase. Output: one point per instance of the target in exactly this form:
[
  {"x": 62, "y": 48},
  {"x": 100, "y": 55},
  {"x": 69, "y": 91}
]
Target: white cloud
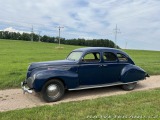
[
  {"x": 139, "y": 21},
  {"x": 10, "y": 29}
]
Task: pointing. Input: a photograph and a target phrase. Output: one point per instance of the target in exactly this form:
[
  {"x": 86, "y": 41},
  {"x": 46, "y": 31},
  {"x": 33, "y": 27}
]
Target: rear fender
[{"x": 132, "y": 73}]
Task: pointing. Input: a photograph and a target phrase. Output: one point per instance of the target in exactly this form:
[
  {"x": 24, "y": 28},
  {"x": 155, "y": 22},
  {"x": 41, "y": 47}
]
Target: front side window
[
  {"x": 108, "y": 56},
  {"x": 74, "y": 56},
  {"x": 91, "y": 57},
  {"x": 121, "y": 57}
]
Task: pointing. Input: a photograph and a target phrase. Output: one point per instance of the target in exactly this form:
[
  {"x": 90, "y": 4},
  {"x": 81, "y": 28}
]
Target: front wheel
[
  {"x": 129, "y": 86},
  {"x": 53, "y": 90}
]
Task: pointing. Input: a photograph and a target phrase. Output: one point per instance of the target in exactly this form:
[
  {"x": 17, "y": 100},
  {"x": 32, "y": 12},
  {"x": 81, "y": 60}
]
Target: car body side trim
[{"x": 100, "y": 85}]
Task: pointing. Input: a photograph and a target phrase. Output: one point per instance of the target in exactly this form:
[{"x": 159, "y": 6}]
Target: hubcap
[
  {"x": 131, "y": 86},
  {"x": 53, "y": 91}
]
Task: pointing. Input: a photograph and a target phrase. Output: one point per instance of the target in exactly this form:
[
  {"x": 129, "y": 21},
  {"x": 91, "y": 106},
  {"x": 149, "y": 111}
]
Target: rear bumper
[
  {"x": 25, "y": 89},
  {"x": 147, "y": 75}
]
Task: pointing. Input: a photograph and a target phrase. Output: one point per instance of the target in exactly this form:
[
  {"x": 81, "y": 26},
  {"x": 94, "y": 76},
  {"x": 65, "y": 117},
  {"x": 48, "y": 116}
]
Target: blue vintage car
[{"x": 84, "y": 68}]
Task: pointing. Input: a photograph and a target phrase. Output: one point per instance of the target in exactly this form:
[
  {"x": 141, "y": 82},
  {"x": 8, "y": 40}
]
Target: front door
[{"x": 90, "y": 69}]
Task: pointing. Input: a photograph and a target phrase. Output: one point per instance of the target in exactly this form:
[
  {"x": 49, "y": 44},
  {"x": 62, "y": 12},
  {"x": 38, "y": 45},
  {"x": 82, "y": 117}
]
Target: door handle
[
  {"x": 103, "y": 65},
  {"x": 100, "y": 65}
]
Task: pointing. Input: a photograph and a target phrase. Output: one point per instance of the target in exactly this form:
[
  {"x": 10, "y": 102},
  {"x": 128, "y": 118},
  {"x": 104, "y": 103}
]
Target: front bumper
[{"x": 25, "y": 89}]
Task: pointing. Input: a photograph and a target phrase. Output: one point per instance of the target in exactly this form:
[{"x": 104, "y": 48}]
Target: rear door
[{"x": 111, "y": 67}]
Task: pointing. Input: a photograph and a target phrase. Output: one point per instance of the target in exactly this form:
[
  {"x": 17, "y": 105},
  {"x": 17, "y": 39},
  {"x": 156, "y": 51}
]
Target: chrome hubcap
[
  {"x": 53, "y": 91},
  {"x": 131, "y": 86}
]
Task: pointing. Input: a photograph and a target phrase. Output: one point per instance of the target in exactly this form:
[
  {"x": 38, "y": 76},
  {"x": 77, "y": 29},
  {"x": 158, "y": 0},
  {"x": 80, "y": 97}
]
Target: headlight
[{"x": 30, "y": 81}]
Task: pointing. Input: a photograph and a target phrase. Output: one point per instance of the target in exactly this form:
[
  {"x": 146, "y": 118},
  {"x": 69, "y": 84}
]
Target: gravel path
[{"x": 12, "y": 99}]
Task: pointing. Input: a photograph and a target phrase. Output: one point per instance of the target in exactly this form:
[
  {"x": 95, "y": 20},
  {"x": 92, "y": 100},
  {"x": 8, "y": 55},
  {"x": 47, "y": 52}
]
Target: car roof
[
  {"x": 94, "y": 48},
  {"x": 102, "y": 49}
]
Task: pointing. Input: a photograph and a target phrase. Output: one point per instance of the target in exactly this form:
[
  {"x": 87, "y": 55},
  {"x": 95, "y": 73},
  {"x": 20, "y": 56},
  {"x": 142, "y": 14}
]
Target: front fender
[
  {"x": 69, "y": 78},
  {"x": 131, "y": 73}
]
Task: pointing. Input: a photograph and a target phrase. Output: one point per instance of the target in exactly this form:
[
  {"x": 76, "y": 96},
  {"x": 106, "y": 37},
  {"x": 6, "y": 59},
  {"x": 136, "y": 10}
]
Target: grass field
[
  {"x": 135, "y": 105},
  {"x": 148, "y": 60},
  {"x": 15, "y": 57}
]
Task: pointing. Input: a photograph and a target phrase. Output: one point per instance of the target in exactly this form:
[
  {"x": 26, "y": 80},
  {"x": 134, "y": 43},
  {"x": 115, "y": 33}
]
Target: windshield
[{"x": 75, "y": 56}]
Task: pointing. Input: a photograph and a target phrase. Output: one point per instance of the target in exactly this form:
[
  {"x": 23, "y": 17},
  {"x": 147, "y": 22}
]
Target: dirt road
[{"x": 15, "y": 99}]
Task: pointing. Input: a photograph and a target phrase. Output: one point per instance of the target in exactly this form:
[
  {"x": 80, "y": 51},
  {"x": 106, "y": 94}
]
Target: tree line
[{"x": 45, "y": 38}]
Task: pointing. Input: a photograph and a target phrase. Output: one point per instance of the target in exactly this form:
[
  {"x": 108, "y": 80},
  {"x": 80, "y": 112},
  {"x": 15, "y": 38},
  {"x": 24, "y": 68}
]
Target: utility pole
[
  {"x": 116, "y": 31},
  {"x": 39, "y": 36},
  {"x": 59, "y": 28},
  {"x": 126, "y": 45},
  {"x": 32, "y": 33}
]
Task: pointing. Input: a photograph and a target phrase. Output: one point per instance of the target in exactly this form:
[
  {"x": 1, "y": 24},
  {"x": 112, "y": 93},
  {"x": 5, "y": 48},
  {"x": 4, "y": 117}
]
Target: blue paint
[{"x": 77, "y": 73}]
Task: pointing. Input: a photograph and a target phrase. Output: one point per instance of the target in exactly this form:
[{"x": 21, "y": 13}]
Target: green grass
[
  {"x": 135, "y": 104},
  {"x": 15, "y": 57},
  {"x": 148, "y": 60}
]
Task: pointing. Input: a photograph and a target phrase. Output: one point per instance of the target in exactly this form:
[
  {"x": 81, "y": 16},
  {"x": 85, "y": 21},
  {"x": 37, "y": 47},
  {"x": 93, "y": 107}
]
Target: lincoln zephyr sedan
[{"x": 84, "y": 68}]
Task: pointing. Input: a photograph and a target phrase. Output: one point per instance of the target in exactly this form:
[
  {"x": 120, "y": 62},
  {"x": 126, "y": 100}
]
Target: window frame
[
  {"x": 124, "y": 56},
  {"x": 81, "y": 61}
]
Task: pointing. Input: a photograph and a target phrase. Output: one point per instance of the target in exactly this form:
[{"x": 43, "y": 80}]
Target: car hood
[{"x": 50, "y": 63}]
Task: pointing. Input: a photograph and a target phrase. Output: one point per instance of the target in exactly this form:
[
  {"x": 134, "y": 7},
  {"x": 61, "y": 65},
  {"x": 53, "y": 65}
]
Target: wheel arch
[
  {"x": 56, "y": 78},
  {"x": 68, "y": 82}
]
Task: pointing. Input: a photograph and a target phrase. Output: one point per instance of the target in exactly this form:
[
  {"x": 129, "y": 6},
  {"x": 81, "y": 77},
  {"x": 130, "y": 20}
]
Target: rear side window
[
  {"x": 121, "y": 57},
  {"x": 108, "y": 56}
]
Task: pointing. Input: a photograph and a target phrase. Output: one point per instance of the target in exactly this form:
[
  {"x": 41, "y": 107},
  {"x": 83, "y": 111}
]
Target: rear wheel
[
  {"x": 53, "y": 90},
  {"x": 129, "y": 86}
]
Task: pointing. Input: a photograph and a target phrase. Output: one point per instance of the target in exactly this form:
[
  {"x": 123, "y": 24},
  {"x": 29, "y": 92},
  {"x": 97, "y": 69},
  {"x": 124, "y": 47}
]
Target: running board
[
  {"x": 99, "y": 86},
  {"x": 96, "y": 86}
]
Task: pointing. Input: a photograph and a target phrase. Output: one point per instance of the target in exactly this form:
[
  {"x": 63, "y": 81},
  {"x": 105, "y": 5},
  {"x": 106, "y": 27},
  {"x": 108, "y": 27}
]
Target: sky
[{"x": 138, "y": 21}]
